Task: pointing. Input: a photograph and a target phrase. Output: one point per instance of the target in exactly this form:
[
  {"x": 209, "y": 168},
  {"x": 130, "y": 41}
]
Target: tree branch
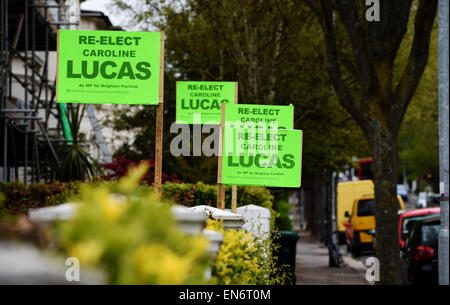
[
  {"x": 418, "y": 57},
  {"x": 396, "y": 25},
  {"x": 345, "y": 98},
  {"x": 348, "y": 14}
]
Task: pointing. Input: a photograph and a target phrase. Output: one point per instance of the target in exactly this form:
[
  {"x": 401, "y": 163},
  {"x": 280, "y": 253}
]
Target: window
[
  {"x": 430, "y": 234},
  {"x": 366, "y": 207},
  {"x": 405, "y": 223}
]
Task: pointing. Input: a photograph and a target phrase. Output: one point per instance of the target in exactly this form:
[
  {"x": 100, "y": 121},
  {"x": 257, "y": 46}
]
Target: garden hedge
[
  {"x": 189, "y": 194},
  {"x": 18, "y": 197}
]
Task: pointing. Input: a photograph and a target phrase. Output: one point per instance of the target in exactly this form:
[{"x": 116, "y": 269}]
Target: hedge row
[
  {"x": 189, "y": 194},
  {"x": 18, "y": 197}
]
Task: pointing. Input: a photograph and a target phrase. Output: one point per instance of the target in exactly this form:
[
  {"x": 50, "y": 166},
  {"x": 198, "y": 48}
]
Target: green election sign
[
  {"x": 203, "y": 99},
  {"x": 111, "y": 67},
  {"x": 262, "y": 157},
  {"x": 259, "y": 116}
]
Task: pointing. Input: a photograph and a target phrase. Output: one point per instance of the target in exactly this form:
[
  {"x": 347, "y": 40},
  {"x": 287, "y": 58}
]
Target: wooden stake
[
  {"x": 158, "y": 147},
  {"x": 220, "y": 186},
  {"x": 159, "y": 122},
  {"x": 234, "y": 187},
  {"x": 233, "y": 198}
]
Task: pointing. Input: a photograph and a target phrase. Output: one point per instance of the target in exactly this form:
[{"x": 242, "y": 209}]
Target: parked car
[
  {"x": 406, "y": 216},
  {"x": 347, "y": 193},
  {"x": 402, "y": 190},
  {"x": 361, "y": 223},
  {"x": 420, "y": 254}
]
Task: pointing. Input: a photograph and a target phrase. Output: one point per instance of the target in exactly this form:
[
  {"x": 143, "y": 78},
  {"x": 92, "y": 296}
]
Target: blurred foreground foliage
[
  {"x": 132, "y": 236},
  {"x": 124, "y": 229}
]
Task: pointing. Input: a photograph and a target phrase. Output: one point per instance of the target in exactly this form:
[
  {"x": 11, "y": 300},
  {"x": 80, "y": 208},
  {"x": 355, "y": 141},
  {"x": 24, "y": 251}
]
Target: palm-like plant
[{"x": 76, "y": 163}]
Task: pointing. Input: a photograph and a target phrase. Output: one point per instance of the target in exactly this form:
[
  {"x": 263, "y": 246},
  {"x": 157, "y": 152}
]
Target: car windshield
[
  {"x": 366, "y": 207},
  {"x": 430, "y": 234},
  {"x": 405, "y": 223}
]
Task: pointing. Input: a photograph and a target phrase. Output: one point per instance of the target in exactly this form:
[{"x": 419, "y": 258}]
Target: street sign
[
  {"x": 203, "y": 99},
  {"x": 260, "y": 116},
  {"x": 109, "y": 67},
  {"x": 262, "y": 157}
]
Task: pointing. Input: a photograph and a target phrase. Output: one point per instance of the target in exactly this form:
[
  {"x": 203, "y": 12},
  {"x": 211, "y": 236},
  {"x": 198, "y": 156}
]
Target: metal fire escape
[{"x": 30, "y": 121}]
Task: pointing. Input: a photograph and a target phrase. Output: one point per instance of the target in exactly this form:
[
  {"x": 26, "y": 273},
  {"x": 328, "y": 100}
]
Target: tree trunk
[
  {"x": 383, "y": 145},
  {"x": 380, "y": 108}
]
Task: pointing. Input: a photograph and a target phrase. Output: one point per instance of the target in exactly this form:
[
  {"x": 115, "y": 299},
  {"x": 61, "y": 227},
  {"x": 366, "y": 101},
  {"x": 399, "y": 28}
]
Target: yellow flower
[
  {"x": 131, "y": 180},
  {"x": 111, "y": 206},
  {"x": 199, "y": 245},
  {"x": 158, "y": 262},
  {"x": 87, "y": 252},
  {"x": 214, "y": 225}
]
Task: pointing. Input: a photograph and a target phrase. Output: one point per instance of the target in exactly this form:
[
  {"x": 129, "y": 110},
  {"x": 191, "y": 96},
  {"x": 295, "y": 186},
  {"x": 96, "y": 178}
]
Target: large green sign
[
  {"x": 259, "y": 116},
  {"x": 200, "y": 102},
  {"x": 262, "y": 157},
  {"x": 112, "y": 67}
]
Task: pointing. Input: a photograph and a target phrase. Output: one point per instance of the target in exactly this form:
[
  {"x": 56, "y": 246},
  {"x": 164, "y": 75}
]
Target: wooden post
[
  {"x": 220, "y": 186},
  {"x": 158, "y": 147},
  {"x": 233, "y": 198},
  {"x": 234, "y": 187},
  {"x": 159, "y": 123}
]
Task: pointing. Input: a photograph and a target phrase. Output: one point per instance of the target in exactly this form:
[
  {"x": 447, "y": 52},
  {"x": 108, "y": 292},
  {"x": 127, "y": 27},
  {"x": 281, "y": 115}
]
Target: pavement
[
  {"x": 312, "y": 265},
  {"x": 312, "y": 257}
]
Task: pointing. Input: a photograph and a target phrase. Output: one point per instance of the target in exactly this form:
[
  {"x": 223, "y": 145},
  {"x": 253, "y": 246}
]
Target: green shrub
[
  {"x": 257, "y": 195},
  {"x": 5, "y": 214},
  {"x": 18, "y": 197},
  {"x": 282, "y": 221},
  {"x": 245, "y": 260},
  {"x": 76, "y": 162},
  {"x": 189, "y": 194}
]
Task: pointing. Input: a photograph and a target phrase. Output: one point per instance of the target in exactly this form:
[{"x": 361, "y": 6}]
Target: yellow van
[
  {"x": 347, "y": 193},
  {"x": 361, "y": 222}
]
